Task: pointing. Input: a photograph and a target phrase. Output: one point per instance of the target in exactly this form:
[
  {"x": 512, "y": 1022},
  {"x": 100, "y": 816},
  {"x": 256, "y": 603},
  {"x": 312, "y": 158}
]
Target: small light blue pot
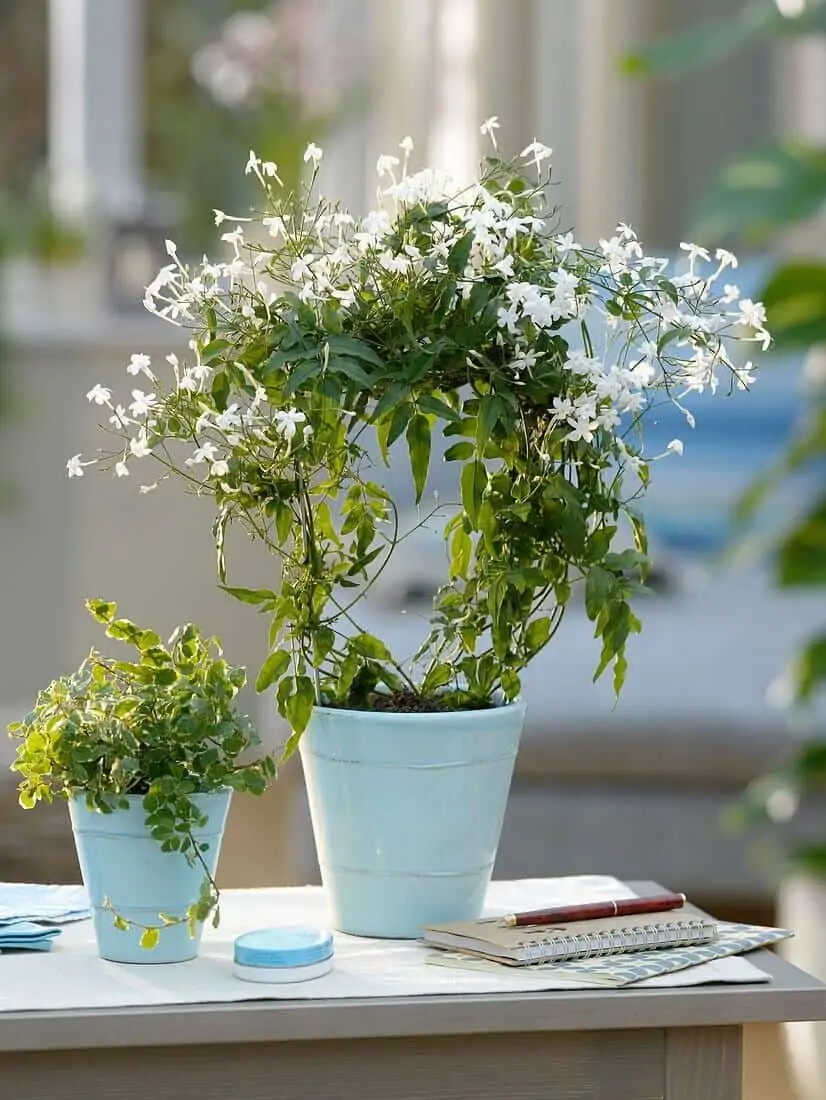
[
  {"x": 407, "y": 811},
  {"x": 120, "y": 861}
]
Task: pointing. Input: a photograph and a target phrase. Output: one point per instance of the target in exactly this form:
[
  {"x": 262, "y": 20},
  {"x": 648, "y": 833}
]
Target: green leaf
[
  {"x": 353, "y": 348},
  {"x": 272, "y": 669},
  {"x": 809, "y": 674},
  {"x": 398, "y": 422},
  {"x": 121, "y": 924},
  {"x": 299, "y": 704},
  {"x": 367, "y": 645},
  {"x": 213, "y": 349},
  {"x": 459, "y": 452},
  {"x": 474, "y": 480},
  {"x": 350, "y": 369},
  {"x": 248, "y": 595},
  {"x": 795, "y": 300},
  {"x": 802, "y": 557},
  {"x": 284, "y": 519},
  {"x": 438, "y": 677},
  {"x": 305, "y": 371},
  {"x": 705, "y": 44},
  {"x": 459, "y": 254},
  {"x": 620, "y": 672},
  {"x": 491, "y": 410},
  {"x": 461, "y": 549},
  {"x": 600, "y": 587},
  {"x": 391, "y": 396},
  {"x": 102, "y": 610},
  {"x": 439, "y": 408},
  {"x": 220, "y": 391},
  {"x": 537, "y": 634},
  {"x": 763, "y": 191},
  {"x": 418, "y": 445},
  {"x": 149, "y": 938}
]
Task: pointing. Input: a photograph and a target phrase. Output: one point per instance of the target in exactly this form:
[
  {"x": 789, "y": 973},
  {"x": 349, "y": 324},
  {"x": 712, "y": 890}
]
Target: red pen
[{"x": 596, "y": 910}]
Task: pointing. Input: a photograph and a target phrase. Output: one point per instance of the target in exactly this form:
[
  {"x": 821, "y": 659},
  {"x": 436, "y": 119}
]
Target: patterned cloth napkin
[
  {"x": 26, "y": 901},
  {"x": 30, "y": 911},
  {"x": 25, "y": 935}
]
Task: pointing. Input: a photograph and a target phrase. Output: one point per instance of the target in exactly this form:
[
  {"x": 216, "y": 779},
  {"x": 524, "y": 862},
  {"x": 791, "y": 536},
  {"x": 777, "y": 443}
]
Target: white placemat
[{"x": 71, "y": 976}]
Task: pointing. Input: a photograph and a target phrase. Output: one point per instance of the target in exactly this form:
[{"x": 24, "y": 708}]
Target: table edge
[{"x": 801, "y": 998}]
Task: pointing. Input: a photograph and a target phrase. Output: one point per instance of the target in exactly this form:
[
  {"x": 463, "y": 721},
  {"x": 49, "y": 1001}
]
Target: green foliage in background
[
  {"x": 163, "y": 726},
  {"x": 757, "y": 196}
]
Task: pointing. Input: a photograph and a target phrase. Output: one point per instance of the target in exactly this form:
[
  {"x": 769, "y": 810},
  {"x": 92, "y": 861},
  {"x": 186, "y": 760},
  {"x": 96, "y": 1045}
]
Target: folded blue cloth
[
  {"x": 26, "y": 901},
  {"x": 24, "y": 935}
]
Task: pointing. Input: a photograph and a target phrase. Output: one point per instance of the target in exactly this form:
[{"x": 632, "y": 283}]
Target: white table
[{"x": 663, "y": 1044}]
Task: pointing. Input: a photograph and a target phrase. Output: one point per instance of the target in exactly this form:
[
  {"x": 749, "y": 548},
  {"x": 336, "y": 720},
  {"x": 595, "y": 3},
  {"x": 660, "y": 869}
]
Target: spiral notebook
[{"x": 587, "y": 939}]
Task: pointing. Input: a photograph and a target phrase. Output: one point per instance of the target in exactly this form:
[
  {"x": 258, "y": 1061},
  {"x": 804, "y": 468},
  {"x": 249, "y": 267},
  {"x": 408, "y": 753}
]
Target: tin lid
[{"x": 293, "y": 945}]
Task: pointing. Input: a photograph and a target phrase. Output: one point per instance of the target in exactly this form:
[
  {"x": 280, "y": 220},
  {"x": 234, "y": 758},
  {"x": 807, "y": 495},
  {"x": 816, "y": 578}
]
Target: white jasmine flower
[
  {"x": 171, "y": 248},
  {"x": 142, "y": 402},
  {"x": 631, "y": 460},
  {"x": 287, "y": 423},
  {"x": 675, "y": 447},
  {"x": 99, "y": 394},
  {"x": 695, "y": 252},
  {"x": 625, "y": 231},
  {"x": 390, "y": 262},
  {"x": 745, "y": 375},
  {"x": 205, "y": 453},
  {"x": 274, "y": 226},
  {"x": 726, "y": 258},
  {"x": 537, "y": 152},
  {"x": 565, "y": 243},
  {"x": 228, "y": 419},
  {"x": 313, "y": 153},
  {"x": 219, "y": 468},
  {"x": 235, "y": 237},
  {"x": 406, "y": 144},
  {"x": 188, "y": 382},
  {"x": 220, "y": 217},
  {"x": 300, "y": 269},
  {"x": 583, "y": 429},
  {"x": 139, "y": 445},
  {"x": 563, "y": 408},
  {"x": 347, "y": 297},
  {"x": 489, "y": 128},
  {"x": 254, "y": 164},
  {"x": 385, "y": 165},
  {"x": 752, "y": 314},
  {"x": 730, "y": 293},
  {"x": 144, "y": 489},
  {"x": 121, "y": 469},
  {"x": 74, "y": 467},
  {"x": 140, "y": 364},
  {"x": 270, "y": 169},
  {"x": 119, "y": 417}
]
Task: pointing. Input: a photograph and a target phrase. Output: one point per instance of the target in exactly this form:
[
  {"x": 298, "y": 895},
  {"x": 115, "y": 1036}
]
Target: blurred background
[{"x": 123, "y": 122}]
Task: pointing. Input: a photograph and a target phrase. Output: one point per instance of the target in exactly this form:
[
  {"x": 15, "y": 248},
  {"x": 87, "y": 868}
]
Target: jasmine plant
[{"x": 452, "y": 310}]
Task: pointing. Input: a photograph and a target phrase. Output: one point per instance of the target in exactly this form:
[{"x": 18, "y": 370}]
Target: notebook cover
[
  {"x": 621, "y": 971},
  {"x": 579, "y": 939}
]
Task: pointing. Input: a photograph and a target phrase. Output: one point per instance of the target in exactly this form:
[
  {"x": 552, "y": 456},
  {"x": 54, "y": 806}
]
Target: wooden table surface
[{"x": 646, "y": 1044}]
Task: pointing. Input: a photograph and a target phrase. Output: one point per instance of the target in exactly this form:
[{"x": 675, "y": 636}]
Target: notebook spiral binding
[{"x": 593, "y": 945}]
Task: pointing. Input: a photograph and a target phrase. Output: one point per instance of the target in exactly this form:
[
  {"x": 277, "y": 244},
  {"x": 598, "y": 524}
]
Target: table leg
[{"x": 704, "y": 1062}]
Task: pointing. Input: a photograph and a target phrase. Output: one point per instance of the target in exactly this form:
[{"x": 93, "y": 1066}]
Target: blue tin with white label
[{"x": 294, "y": 953}]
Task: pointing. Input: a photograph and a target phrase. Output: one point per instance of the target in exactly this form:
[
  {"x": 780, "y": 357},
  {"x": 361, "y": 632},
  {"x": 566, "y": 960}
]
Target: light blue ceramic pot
[
  {"x": 407, "y": 810},
  {"x": 120, "y": 861}
]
